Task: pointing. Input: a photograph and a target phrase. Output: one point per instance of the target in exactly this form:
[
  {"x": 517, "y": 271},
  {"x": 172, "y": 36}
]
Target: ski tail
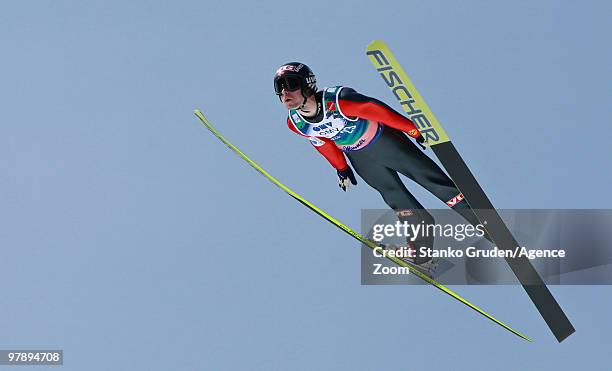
[
  {"x": 351, "y": 232},
  {"x": 419, "y": 112}
]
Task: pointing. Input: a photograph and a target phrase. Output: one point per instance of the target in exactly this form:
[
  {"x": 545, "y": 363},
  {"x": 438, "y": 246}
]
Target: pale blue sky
[{"x": 131, "y": 234}]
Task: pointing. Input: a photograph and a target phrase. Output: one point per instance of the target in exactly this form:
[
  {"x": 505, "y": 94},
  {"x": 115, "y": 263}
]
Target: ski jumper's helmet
[{"x": 293, "y": 76}]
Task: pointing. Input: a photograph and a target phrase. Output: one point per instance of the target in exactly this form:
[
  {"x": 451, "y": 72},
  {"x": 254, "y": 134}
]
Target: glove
[
  {"x": 420, "y": 140},
  {"x": 344, "y": 176}
]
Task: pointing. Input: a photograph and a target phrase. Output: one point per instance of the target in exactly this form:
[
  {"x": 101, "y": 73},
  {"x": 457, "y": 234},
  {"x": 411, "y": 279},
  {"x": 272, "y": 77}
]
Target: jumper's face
[
  {"x": 288, "y": 87},
  {"x": 291, "y": 99}
]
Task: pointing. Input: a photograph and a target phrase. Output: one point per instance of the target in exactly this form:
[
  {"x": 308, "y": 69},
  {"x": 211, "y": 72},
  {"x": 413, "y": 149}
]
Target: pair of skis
[{"x": 412, "y": 103}]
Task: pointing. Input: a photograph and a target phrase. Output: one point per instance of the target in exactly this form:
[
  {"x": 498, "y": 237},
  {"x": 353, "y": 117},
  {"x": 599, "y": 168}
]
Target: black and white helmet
[{"x": 293, "y": 76}]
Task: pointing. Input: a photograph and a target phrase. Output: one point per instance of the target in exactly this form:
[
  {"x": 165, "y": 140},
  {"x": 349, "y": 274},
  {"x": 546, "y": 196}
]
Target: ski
[
  {"x": 369, "y": 243},
  {"x": 418, "y": 111}
]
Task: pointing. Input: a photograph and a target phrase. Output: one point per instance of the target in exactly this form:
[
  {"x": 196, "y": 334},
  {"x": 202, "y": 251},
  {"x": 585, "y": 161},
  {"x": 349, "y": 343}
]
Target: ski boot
[{"x": 407, "y": 254}]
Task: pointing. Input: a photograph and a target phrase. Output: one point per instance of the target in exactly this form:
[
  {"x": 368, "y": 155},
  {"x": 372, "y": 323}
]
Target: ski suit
[{"x": 371, "y": 134}]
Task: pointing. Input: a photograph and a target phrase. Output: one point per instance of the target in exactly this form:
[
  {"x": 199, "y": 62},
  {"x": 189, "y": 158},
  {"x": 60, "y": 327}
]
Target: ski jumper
[{"x": 371, "y": 134}]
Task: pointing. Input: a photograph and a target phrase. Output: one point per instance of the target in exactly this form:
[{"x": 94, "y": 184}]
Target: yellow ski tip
[{"x": 375, "y": 41}]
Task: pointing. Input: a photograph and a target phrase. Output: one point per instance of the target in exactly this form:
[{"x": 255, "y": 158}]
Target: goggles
[{"x": 288, "y": 82}]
